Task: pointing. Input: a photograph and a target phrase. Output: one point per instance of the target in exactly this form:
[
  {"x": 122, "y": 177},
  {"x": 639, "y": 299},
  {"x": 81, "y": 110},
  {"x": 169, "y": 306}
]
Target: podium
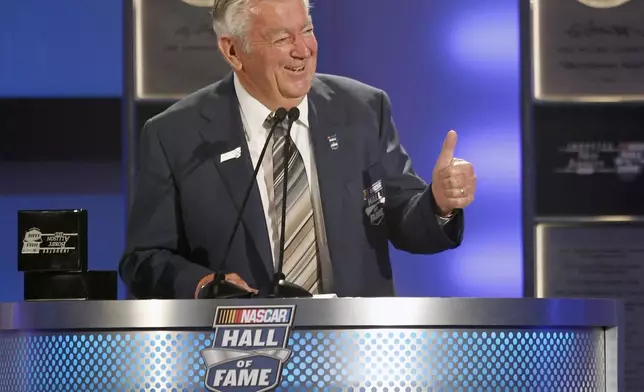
[{"x": 347, "y": 344}]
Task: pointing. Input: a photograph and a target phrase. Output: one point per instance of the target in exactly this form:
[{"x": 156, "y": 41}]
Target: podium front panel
[{"x": 422, "y": 351}]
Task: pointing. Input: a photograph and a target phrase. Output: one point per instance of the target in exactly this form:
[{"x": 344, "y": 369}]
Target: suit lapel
[
  {"x": 327, "y": 127},
  {"x": 225, "y": 130}
]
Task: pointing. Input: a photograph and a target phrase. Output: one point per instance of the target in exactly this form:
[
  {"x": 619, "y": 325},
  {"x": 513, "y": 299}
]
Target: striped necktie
[{"x": 300, "y": 248}]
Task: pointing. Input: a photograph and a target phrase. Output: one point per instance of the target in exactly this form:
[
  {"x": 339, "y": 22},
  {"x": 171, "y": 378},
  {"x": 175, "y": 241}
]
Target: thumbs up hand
[{"x": 453, "y": 179}]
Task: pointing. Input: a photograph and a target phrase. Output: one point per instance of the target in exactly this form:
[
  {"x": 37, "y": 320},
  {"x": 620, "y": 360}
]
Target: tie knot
[
  {"x": 270, "y": 120},
  {"x": 280, "y": 130}
]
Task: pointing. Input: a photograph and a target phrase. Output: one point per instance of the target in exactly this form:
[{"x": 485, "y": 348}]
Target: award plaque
[
  {"x": 176, "y": 50},
  {"x": 588, "y": 50},
  {"x": 52, "y": 241},
  {"x": 598, "y": 260},
  {"x": 589, "y": 160}
]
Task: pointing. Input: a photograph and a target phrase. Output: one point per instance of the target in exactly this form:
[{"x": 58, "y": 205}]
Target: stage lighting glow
[
  {"x": 486, "y": 40},
  {"x": 490, "y": 266}
]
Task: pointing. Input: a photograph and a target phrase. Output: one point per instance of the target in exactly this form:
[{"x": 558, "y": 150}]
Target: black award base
[{"x": 53, "y": 286}]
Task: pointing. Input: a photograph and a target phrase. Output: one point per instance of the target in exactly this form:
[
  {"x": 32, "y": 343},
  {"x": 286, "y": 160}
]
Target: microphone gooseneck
[
  {"x": 282, "y": 288},
  {"x": 219, "y": 287},
  {"x": 293, "y": 115}
]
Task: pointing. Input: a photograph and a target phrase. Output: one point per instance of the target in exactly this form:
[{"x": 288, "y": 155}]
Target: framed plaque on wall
[
  {"x": 589, "y": 160},
  {"x": 588, "y": 50},
  {"x": 175, "y": 48},
  {"x": 598, "y": 260}
]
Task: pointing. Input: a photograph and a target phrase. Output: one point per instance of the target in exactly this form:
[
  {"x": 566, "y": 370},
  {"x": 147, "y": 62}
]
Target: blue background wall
[{"x": 446, "y": 65}]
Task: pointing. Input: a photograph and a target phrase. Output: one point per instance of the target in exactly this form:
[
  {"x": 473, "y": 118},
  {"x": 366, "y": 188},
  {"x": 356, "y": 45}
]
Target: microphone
[
  {"x": 281, "y": 287},
  {"x": 220, "y": 287}
]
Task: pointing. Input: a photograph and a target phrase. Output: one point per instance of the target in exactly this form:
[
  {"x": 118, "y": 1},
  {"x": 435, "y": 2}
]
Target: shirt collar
[{"x": 256, "y": 113}]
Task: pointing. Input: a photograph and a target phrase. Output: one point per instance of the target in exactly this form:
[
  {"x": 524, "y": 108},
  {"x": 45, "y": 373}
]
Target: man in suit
[{"x": 352, "y": 189}]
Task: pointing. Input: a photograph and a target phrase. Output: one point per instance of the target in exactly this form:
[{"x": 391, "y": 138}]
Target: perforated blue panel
[
  {"x": 362, "y": 360},
  {"x": 466, "y": 360}
]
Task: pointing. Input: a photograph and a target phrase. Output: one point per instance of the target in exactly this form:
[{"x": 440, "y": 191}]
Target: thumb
[{"x": 447, "y": 153}]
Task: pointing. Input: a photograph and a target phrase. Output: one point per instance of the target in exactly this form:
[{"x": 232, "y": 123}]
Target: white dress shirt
[{"x": 253, "y": 115}]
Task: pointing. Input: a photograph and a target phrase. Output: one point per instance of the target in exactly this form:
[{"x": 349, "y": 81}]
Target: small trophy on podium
[{"x": 52, "y": 253}]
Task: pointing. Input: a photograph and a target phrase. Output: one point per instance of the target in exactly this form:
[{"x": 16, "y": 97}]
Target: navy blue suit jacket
[{"x": 187, "y": 200}]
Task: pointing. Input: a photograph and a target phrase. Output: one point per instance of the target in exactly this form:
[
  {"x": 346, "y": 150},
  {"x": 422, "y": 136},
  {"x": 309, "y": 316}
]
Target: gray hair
[{"x": 230, "y": 17}]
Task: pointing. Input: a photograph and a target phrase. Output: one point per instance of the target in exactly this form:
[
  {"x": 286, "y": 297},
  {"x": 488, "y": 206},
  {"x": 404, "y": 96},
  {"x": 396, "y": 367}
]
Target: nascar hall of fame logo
[
  {"x": 36, "y": 242},
  {"x": 374, "y": 198},
  {"x": 249, "y": 348}
]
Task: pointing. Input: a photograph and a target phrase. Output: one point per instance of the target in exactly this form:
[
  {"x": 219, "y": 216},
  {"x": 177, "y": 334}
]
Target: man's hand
[
  {"x": 453, "y": 179},
  {"x": 237, "y": 280},
  {"x": 232, "y": 278}
]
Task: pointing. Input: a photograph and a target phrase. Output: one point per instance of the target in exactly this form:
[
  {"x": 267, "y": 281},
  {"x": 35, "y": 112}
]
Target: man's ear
[{"x": 229, "y": 49}]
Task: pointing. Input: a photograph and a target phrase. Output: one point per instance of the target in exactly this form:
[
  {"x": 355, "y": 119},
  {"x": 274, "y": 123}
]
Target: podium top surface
[{"x": 320, "y": 313}]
